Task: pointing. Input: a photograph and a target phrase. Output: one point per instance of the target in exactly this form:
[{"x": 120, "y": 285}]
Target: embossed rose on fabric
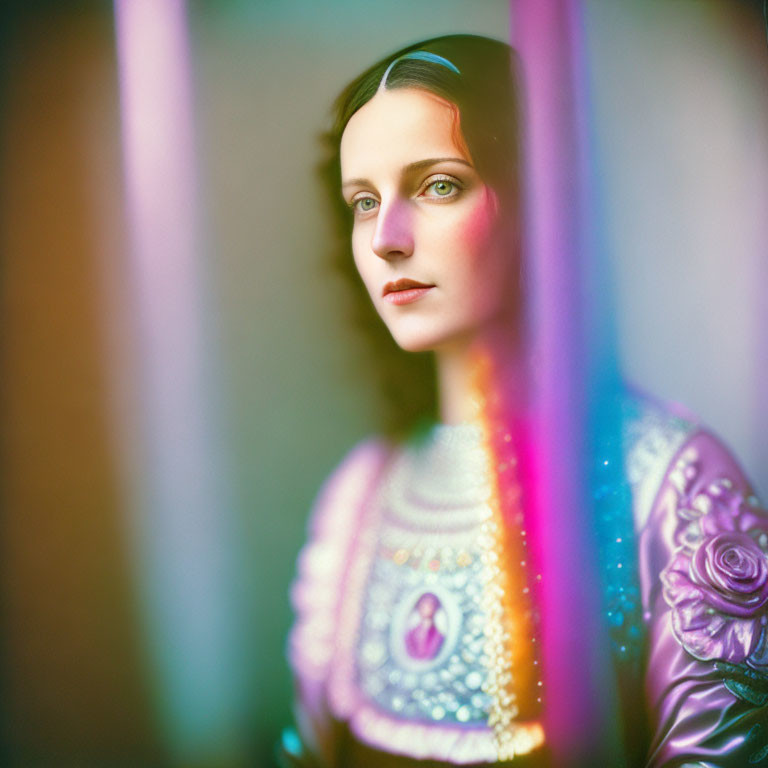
[{"x": 718, "y": 587}]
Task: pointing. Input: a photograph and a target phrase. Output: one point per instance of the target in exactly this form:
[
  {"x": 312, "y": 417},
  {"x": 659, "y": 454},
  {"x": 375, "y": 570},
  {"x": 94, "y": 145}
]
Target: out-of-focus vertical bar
[
  {"x": 185, "y": 548},
  {"x": 761, "y": 369},
  {"x": 760, "y": 387},
  {"x": 578, "y": 683}
]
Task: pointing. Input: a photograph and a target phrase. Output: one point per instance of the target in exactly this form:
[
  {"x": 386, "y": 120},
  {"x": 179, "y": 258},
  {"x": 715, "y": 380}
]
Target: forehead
[{"x": 398, "y": 127}]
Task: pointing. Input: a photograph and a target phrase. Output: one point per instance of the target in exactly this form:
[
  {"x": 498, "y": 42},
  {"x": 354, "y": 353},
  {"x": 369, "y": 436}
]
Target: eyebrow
[{"x": 418, "y": 165}]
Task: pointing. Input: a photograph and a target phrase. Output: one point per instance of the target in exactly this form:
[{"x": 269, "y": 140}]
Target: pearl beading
[
  {"x": 511, "y": 630},
  {"x": 431, "y": 539}
]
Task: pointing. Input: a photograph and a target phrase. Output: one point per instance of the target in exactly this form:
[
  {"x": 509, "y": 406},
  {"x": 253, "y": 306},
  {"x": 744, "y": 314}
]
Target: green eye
[
  {"x": 364, "y": 204},
  {"x": 442, "y": 188}
]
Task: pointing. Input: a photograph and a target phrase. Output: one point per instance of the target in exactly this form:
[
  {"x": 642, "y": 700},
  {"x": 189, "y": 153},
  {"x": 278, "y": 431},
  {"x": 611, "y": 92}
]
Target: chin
[
  {"x": 413, "y": 340},
  {"x": 422, "y": 340},
  {"x": 415, "y": 345}
]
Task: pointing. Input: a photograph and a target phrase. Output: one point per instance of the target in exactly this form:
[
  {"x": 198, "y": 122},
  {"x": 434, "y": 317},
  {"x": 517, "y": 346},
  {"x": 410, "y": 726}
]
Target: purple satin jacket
[{"x": 704, "y": 577}]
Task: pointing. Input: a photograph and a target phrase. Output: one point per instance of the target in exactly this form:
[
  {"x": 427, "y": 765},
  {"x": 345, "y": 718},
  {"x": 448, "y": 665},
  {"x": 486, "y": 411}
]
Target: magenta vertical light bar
[
  {"x": 575, "y": 721},
  {"x": 182, "y": 522}
]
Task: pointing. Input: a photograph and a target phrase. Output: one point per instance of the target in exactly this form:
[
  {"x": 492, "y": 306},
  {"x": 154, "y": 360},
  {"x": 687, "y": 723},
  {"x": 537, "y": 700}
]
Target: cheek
[
  {"x": 475, "y": 244},
  {"x": 483, "y": 267},
  {"x": 477, "y": 233}
]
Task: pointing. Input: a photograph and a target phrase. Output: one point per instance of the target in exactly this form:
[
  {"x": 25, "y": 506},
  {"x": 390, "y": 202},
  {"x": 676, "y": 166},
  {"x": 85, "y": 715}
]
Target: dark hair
[{"x": 485, "y": 94}]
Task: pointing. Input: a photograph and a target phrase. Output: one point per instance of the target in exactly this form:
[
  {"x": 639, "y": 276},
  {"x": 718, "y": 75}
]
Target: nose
[{"x": 393, "y": 236}]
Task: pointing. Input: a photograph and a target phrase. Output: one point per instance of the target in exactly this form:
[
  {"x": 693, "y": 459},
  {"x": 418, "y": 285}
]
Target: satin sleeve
[{"x": 703, "y": 556}]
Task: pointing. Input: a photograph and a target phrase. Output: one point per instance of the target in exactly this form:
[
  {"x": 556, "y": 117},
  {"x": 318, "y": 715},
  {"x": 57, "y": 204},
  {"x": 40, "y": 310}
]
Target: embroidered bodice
[
  {"x": 420, "y": 649},
  {"x": 411, "y": 666}
]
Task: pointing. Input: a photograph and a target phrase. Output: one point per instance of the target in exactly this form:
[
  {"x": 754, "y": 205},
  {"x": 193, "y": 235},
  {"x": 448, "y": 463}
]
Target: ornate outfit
[{"x": 391, "y": 649}]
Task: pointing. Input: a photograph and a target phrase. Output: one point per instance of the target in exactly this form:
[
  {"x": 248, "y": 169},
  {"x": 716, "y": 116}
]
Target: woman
[{"x": 415, "y": 641}]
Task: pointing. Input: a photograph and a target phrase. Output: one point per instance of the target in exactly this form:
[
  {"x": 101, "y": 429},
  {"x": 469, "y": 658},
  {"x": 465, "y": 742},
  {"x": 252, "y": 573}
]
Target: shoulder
[
  {"x": 671, "y": 458},
  {"x": 338, "y": 501},
  {"x": 653, "y": 434},
  {"x": 322, "y": 560},
  {"x": 337, "y": 498},
  {"x": 669, "y": 449},
  {"x": 706, "y": 526}
]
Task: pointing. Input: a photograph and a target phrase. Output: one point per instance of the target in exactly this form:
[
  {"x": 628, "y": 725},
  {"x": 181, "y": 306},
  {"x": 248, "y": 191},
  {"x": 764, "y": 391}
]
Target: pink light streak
[
  {"x": 186, "y": 553},
  {"x": 576, "y": 658}
]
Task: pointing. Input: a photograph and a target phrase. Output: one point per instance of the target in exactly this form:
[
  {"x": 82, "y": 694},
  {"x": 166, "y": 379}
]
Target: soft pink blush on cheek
[
  {"x": 463, "y": 230},
  {"x": 482, "y": 265},
  {"x": 476, "y": 232}
]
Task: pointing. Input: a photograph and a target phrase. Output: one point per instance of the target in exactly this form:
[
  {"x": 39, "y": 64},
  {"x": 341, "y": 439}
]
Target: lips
[
  {"x": 404, "y": 284},
  {"x": 405, "y": 291}
]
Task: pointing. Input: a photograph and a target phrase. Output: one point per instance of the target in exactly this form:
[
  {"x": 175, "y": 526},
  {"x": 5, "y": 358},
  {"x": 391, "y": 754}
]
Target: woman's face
[
  {"x": 426, "y": 235},
  {"x": 427, "y": 606}
]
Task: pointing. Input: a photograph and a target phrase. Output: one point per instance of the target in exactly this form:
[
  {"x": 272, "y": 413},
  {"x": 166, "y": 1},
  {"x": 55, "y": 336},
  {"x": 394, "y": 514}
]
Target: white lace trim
[{"x": 323, "y": 559}]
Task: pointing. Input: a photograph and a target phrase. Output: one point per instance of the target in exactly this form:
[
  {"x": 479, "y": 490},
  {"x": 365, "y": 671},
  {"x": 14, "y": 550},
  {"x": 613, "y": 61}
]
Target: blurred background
[{"x": 178, "y": 372}]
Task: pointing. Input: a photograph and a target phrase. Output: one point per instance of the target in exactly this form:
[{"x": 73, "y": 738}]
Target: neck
[{"x": 458, "y": 364}]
